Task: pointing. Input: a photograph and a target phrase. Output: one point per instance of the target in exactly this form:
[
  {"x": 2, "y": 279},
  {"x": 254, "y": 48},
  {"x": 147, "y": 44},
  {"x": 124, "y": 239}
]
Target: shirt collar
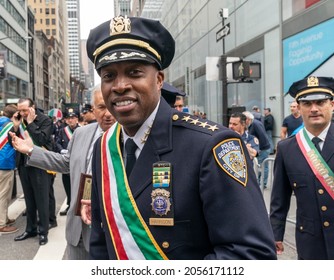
[
  {"x": 143, "y": 132},
  {"x": 322, "y": 135}
]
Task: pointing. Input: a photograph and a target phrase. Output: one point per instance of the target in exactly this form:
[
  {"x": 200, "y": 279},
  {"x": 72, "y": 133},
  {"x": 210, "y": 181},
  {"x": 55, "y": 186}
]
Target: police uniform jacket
[
  {"x": 315, "y": 207},
  {"x": 215, "y": 216},
  {"x": 62, "y": 139}
]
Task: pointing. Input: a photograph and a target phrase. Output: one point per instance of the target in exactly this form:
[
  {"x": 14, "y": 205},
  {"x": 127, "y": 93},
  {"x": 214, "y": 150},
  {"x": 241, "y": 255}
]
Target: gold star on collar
[
  {"x": 186, "y": 118},
  {"x": 213, "y": 127},
  {"x": 203, "y": 124},
  {"x": 194, "y": 121}
]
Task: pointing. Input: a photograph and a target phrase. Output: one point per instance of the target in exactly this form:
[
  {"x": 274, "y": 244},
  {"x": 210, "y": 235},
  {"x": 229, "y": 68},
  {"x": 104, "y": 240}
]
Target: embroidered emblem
[
  {"x": 312, "y": 81},
  {"x": 109, "y": 57},
  {"x": 160, "y": 202},
  {"x": 119, "y": 25},
  {"x": 230, "y": 157}
]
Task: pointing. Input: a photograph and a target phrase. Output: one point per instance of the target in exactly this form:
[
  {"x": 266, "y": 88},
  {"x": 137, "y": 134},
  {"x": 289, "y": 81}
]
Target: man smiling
[{"x": 159, "y": 176}]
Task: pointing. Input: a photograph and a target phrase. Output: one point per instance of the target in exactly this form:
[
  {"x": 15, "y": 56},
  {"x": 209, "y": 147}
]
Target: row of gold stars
[{"x": 197, "y": 122}]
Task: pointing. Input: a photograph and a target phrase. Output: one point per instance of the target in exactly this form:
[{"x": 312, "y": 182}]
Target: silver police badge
[
  {"x": 230, "y": 156},
  {"x": 160, "y": 201}
]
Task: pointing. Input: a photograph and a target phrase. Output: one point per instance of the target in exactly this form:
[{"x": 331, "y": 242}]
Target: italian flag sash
[
  {"x": 68, "y": 132},
  {"x": 319, "y": 167},
  {"x": 4, "y": 134},
  {"x": 131, "y": 237}
]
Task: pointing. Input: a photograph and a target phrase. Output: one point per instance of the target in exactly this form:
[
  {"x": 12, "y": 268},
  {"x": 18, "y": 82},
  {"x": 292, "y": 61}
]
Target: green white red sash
[
  {"x": 4, "y": 134},
  {"x": 130, "y": 235},
  {"x": 68, "y": 132},
  {"x": 319, "y": 167}
]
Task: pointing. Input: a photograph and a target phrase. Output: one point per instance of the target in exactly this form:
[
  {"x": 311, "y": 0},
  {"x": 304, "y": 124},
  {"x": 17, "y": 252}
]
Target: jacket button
[
  {"x": 175, "y": 117},
  {"x": 294, "y": 184},
  {"x": 324, "y": 208},
  {"x": 101, "y": 225},
  {"x": 301, "y": 228},
  {"x": 326, "y": 224},
  {"x": 165, "y": 245},
  {"x": 321, "y": 191}
]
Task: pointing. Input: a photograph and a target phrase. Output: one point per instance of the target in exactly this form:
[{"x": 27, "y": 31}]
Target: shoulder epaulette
[{"x": 195, "y": 122}]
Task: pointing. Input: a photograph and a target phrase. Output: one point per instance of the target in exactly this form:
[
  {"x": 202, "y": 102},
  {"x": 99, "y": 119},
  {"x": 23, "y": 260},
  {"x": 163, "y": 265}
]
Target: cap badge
[
  {"x": 70, "y": 110},
  {"x": 312, "y": 81},
  {"x": 119, "y": 25}
]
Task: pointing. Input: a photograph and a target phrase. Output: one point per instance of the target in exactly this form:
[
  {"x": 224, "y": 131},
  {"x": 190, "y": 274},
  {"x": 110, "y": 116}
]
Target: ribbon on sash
[
  {"x": 6, "y": 129},
  {"x": 130, "y": 234},
  {"x": 319, "y": 167},
  {"x": 68, "y": 132},
  {"x": 4, "y": 134}
]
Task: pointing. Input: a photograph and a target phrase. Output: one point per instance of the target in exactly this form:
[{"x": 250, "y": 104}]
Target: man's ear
[{"x": 161, "y": 77}]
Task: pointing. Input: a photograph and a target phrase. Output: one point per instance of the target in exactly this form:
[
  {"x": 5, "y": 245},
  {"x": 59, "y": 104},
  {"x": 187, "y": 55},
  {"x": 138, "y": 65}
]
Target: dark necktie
[
  {"x": 316, "y": 141},
  {"x": 130, "y": 148}
]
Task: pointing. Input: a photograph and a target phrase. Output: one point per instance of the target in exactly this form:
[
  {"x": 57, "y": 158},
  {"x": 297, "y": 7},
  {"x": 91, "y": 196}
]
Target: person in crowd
[
  {"x": 256, "y": 128},
  {"x": 87, "y": 114},
  {"x": 35, "y": 182},
  {"x": 304, "y": 166},
  {"x": 77, "y": 161},
  {"x": 7, "y": 167},
  {"x": 170, "y": 93},
  {"x": 237, "y": 123},
  {"x": 269, "y": 127},
  {"x": 144, "y": 205},
  {"x": 64, "y": 137},
  {"x": 257, "y": 114},
  {"x": 292, "y": 123},
  {"x": 179, "y": 103}
]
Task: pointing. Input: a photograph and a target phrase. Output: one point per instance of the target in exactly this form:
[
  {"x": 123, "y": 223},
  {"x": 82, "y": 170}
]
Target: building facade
[
  {"x": 14, "y": 52},
  {"x": 292, "y": 39}
]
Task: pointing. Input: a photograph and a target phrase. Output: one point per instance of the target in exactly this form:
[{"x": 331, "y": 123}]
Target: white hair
[{"x": 249, "y": 115}]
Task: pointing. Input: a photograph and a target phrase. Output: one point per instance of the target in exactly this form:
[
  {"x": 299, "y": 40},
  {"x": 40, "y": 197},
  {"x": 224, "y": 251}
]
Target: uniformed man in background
[{"x": 304, "y": 166}]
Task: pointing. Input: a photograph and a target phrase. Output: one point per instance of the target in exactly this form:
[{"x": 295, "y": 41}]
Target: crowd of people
[{"x": 147, "y": 163}]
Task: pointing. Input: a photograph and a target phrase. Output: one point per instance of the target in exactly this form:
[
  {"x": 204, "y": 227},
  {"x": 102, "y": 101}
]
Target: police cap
[
  {"x": 71, "y": 113},
  {"x": 312, "y": 88},
  {"x": 130, "y": 38},
  {"x": 86, "y": 108}
]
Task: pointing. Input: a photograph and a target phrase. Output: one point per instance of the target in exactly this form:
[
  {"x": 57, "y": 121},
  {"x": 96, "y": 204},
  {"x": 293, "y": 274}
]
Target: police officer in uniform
[
  {"x": 64, "y": 137},
  {"x": 304, "y": 166},
  {"x": 166, "y": 185}
]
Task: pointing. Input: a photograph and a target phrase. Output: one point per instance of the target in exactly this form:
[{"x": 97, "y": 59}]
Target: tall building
[
  {"x": 51, "y": 19},
  {"x": 14, "y": 52},
  {"x": 74, "y": 46}
]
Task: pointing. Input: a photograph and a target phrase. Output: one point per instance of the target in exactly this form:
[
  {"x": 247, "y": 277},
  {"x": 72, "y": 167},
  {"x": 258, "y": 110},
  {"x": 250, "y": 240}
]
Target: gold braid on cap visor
[
  {"x": 133, "y": 42},
  {"x": 311, "y": 90}
]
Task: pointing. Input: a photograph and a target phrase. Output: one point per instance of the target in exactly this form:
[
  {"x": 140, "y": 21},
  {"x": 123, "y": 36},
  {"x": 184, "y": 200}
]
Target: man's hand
[
  {"x": 22, "y": 145},
  {"x": 32, "y": 115},
  {"x": 86, "y": 214},
  {"x": 279, "y": 247},
  {"x": 16, "y": 119}
]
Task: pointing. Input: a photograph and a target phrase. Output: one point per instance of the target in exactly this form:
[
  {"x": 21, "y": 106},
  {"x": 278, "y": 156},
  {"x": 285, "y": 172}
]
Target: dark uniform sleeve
[
  {"x": 233, "y": 204},
  {"x": 280, "y": 196}
]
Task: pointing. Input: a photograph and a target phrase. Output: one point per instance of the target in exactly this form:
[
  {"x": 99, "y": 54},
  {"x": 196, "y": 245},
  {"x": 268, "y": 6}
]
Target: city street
[{"x": 54, "y": 250}]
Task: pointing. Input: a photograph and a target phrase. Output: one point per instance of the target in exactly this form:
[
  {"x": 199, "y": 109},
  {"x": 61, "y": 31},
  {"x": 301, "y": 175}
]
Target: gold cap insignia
[
  {"x": 70, "y": 110},
  {"x": 119, "y": 25},
  {"x": 312, "y": 81}
]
